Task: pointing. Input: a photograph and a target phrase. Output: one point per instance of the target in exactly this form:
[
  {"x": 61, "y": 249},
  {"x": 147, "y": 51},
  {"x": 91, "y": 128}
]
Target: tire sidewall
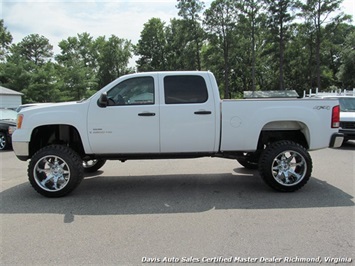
[
  {"x": 267, "y": 159},
  {"x": 70, "y": 157}
]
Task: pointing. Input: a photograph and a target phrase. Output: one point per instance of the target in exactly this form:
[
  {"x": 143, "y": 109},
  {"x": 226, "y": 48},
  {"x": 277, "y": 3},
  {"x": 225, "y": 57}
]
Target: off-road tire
[
  {"x": 285, "y": 166},
  {"x": 55, "y": 171}
]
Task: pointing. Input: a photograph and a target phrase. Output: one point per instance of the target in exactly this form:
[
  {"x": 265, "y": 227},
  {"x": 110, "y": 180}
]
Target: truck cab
[{"x": 139, "y": 114}]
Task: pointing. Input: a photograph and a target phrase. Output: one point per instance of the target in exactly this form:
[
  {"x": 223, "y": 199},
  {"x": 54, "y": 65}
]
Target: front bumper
[
  {"x": 21, "y": 149},
  {"x": 336, "y": 140}
]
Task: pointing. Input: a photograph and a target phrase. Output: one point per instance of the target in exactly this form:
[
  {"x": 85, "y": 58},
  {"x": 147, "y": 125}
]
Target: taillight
[
  {"x": 336, "y": 116},
  {"x": 19, "y": 120}
]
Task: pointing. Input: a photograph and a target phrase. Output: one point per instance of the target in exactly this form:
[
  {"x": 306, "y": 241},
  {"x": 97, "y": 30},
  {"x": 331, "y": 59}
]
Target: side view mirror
[{"x": 103, "y": 100}]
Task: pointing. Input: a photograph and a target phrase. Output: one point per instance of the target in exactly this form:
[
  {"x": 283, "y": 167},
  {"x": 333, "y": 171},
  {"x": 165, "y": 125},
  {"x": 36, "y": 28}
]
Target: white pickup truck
[{"x": 167, "y": 115}]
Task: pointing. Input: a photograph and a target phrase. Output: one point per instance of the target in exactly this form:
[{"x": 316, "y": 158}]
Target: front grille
[{"x": 347, "y": 125}]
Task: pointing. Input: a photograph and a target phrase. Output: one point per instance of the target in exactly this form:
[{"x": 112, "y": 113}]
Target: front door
[{"x": 130, "y": 122}]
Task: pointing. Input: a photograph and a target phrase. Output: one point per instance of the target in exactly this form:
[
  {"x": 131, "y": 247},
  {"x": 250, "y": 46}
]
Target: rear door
[{"x": 187, "y": 114}]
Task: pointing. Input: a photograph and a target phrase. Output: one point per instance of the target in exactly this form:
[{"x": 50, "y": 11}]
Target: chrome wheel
[
  {"x": 55, "y": 170},
  {"x": 289, "y": 168},
  {"x": 285, "y": 166},
  {"x": 3, "y": 141},
  {"x": 51, "y": 173}
]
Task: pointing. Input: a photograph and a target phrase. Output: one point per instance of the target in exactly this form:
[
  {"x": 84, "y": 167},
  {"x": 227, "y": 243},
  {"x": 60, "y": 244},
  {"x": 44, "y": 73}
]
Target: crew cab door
[
  {"x": 130, "y": 121},
  {"x": 187, "y": 114}
]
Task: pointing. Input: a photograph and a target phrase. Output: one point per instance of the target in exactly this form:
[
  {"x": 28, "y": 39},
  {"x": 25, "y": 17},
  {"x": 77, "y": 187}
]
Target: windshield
[
  {"x": 6, "y": 114},
  {"x": 347, "y": 104}
]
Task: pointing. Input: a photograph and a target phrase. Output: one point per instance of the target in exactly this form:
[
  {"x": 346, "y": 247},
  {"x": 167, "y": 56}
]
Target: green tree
[
  {"x": 347, "y": 68},
  {"x": 333, "y": 47},
  {"x": 16, "y": 72},
  {"x": 317, "y": 14},
  {"x": 220, "y": 22},
  {"x": 180, "y": 49},
  {"x": 190, "y": 11},
  {"x": 5, "y": 40},
  {"x": 78, "y": 48},
  {"x": 152, "y": 46},
  {"x": 42, "y": 85},
  {"x": 179, "y": 56},
  {"x": 112, "y": 59},
  {"x": 35, "y": 48},
  {"x": 299, "y": 67},
  {"x": 78, "y": 67},
  {"x": 28, "y": 60},
  {"x": 250, "y": 24},
  {"x": 279, "y": 23}
]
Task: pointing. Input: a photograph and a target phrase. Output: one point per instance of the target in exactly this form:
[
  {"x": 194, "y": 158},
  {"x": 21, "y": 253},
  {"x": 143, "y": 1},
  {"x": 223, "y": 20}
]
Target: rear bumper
[
  {"x": 348, "y": 133},
  {"x": 336, "y": 140}
]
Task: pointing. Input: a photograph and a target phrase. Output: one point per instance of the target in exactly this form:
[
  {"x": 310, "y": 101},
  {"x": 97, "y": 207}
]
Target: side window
[
  {"x": 185, "y": 89},
  {"x": 134, "y": 91}
]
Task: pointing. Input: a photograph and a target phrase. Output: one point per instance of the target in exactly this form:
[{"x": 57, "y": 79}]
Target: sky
[{"x": 59, "y": 19}]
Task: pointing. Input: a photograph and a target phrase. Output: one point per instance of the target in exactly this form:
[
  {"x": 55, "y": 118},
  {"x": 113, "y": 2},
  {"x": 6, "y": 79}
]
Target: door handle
[
  {"x": 202, "y": 112},
  {"x": 146, "y": 114}
]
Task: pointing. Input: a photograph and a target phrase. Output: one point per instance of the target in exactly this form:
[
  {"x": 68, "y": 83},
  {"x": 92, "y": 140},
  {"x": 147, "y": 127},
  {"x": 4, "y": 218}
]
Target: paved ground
[{"x": 204, "y": 211}]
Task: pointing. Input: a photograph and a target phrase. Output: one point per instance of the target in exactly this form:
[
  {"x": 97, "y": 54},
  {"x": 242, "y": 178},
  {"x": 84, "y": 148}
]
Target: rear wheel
[
  {"x": 91, "y": 166},
  {"x": 55, "y": 171},
  {"x": 285, "y": 166}
]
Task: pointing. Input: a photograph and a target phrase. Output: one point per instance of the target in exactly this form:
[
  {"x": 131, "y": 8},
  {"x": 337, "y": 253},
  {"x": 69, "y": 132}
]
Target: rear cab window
[{"x": 185, "y": 89}]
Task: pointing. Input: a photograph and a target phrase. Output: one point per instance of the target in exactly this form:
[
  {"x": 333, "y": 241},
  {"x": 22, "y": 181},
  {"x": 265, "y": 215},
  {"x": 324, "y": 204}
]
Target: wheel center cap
[{"x": 284, "y": 166}]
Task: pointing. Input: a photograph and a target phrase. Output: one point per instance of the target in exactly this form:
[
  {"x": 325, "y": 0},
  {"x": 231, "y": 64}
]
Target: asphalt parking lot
[{"x": 179, "y": 212}]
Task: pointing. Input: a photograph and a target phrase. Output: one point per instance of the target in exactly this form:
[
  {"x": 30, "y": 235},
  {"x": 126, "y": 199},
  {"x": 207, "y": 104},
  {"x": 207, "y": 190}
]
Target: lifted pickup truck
[{"x": 173, "y": 115}]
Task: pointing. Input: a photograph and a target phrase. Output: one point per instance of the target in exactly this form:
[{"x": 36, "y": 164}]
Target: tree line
[{"x": 247, "y": 44}]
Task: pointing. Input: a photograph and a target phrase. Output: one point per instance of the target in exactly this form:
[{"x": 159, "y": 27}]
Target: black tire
[
  {"x": 285, "y": 166},
  {"x": 250, "y": 160},
  {"x": 91, "y": 166},
  {"x": 4, "y": 144},
  {"x": 55, "y": 171}
]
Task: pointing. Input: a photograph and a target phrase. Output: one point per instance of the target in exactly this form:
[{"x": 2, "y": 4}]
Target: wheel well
[
  {"x": 267, "y": 137},
  {"x": 56, "y": 134}
]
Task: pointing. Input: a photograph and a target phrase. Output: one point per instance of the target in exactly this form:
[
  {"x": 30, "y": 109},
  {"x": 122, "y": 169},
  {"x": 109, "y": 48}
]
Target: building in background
[{"x": 10, "y": 99}]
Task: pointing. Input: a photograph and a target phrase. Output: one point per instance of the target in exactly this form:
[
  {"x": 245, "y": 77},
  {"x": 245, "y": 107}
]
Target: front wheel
[
  {"x": 3, "y": 141},
  {"x": 285, "y": 166},
  {"x": 55, "y": 171}
]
